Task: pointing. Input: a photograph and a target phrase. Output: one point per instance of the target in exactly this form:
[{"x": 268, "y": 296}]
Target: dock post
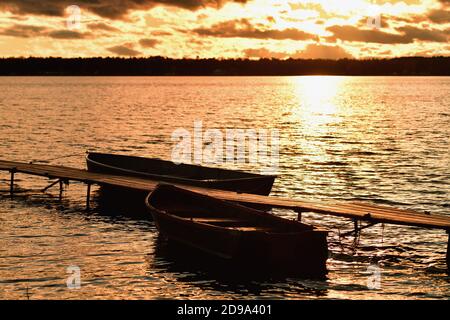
[
  {"x": 61, "y": 189},
  {"x": 11, "y": 186},
  {"x": 88, "y": 197},
  {"x": 355, "y": 222},
  {"x": 299, "y": 215}
]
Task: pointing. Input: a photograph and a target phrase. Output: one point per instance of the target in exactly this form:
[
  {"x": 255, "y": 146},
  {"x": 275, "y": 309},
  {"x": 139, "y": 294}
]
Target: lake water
[{"x": 378, "y": 139}]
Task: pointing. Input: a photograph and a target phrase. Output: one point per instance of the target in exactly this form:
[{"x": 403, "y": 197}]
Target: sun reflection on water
[{"x": 317, "y": 113}]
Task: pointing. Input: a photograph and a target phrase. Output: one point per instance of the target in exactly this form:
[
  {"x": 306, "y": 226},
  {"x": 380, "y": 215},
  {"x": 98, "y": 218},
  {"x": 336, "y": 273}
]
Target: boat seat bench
[
  {"x": 252, "y": 228},
  {"x": 232, "y": 224},
  {"x": 235, "y": 224},
  {"x": 217, "y": 220}
]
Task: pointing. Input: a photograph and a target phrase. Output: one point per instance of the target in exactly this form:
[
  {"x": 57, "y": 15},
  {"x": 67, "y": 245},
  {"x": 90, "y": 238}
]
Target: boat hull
[
  {"x": 304, "y": 254},
  {"x": 166, "y": 171},
  {"x": 291, "y": 253}
]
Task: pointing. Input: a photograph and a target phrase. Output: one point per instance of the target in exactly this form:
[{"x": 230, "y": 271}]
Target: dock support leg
[
  {"x": 355, "y": 222},
  {"x": 11, "y": 186},
  {"x": 88, "y": 197},
  {"x": 50, "y": 185},
  {"x": 357, "y": 232},
  {"x": 299, "y": 215},
  {"x": 61, "y": 189},
  {"x": 448, "y": 251}
]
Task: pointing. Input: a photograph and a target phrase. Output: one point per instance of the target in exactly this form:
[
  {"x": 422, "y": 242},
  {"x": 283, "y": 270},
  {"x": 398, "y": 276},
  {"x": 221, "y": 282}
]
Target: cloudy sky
[{"x": 225, "y": 28}]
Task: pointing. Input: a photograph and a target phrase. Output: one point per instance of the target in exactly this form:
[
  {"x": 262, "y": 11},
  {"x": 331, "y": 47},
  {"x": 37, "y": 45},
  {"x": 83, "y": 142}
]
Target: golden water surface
[{"x": 378, "y": 139}]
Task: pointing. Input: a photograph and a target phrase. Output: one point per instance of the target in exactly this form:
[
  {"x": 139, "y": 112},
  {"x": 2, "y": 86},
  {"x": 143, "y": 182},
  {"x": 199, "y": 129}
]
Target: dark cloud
[
  {"x": 68, "y": 34},
  {"x": 354, "y": 34},
  {"x": 161, "y": 33},
  {"x": 439, "y": 16},
  {"x": 23, "y": 31},
  {"x": 319, "y": 51},
  {"x": 28, "y": 31},
  {"x": 124, "y": 50},
  {"x": 243, "y": 29},
  {"x": 406, "y": 19},
  {"x": 271, "y": 19},
  {"x": 385, "y": 52},
  {"x": 432, "y": 35},
  {"x": 408, "y": 35},
  {"x": 264, "y": 53},
  {"x": 148, "y": 43},
  {"x": 312, "y": 51},
  {"x": 198, "y": 43},
  {"x": 114, "y": 9},
  {"x": 102, "y": 27}
]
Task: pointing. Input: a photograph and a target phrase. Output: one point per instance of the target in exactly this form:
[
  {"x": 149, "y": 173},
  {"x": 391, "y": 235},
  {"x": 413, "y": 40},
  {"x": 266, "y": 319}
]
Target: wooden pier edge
[
  {"x": 355, "y": 211},
  {"x": 367, "y": 212}
]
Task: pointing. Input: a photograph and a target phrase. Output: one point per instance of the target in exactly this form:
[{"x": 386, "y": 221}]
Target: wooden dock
[{"x": 370, "y": 213}]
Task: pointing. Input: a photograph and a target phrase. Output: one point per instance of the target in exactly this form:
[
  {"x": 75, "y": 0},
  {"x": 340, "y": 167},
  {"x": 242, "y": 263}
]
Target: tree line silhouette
[{"x": 161, "y": 66}]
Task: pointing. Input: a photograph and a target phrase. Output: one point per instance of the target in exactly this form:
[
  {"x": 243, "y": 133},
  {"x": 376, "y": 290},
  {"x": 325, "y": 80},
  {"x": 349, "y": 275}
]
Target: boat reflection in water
[{"x": 186, "y": 267}]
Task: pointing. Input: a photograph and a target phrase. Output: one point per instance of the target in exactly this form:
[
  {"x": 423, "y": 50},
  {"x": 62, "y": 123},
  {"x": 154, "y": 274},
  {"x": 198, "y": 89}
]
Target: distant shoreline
[
  {"x": 160, "y": 66},
  {"x": 217, "y": 76}
]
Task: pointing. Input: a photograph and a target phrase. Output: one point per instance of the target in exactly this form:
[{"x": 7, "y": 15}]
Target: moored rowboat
[
  {"x": 236, "y": 233},
  {"x": 167, "y": 171}
]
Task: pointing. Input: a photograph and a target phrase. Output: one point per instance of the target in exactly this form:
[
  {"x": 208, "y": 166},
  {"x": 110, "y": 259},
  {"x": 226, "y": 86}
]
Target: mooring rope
[{"x": 58, "y": 158}]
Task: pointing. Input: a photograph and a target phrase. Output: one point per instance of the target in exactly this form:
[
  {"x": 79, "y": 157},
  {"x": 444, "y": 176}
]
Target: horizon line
[{"x": 230, "y": 59}]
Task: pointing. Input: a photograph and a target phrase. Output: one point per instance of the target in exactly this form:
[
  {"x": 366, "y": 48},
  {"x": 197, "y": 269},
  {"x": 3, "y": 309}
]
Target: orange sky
[{"x": 225, "y": 28}]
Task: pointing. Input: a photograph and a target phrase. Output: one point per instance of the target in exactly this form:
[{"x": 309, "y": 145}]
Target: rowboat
[
  {"x": 238, "y": 234},
  {"x": 167, "y": 171}
]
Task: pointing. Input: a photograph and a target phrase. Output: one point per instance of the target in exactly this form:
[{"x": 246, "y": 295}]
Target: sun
[{"x": 346, "y": 8}]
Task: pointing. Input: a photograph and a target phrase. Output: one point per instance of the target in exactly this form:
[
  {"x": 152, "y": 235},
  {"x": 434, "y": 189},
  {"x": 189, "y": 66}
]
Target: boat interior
[{"x": 198, "y": 208}]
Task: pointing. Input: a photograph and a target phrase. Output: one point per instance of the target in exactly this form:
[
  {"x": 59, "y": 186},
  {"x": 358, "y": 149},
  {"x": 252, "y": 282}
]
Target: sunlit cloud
[
  {"x": 226, "y": 29},
  {"x": 126, "y": 49}
]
